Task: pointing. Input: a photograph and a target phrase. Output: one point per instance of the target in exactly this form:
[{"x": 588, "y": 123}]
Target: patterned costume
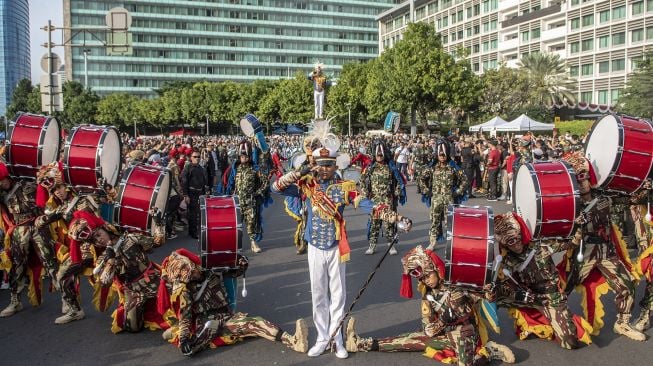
[
  {"x": 644, "y": 263},
  {"x": 536, "y": 293},
  {"x": 202, "y": 308},
  {"x": 319, "y": 84},
  {"x": 250, "y": 184},
  {"x": 26, "y": 240},
  {"x": 326, "y": 235},
  {"x": 441, "y": 184},
  {"x": 605, "y": 260},
  {"x": 450, "y": 330},
  {"x": 383, "y": 184}
]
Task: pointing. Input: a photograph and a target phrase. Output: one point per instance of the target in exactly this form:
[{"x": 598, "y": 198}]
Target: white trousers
[
  {"x": 319, "y": 102},
  {"x": 328, "y": 291}
]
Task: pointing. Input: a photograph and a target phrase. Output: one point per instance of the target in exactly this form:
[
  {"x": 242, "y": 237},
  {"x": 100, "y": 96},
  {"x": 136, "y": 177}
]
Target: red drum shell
[
  {"x": 221, "y": 232},
  {"x": 91, "y": 153},
  {"x": 33, "y": 142},
  {"x": 620, "y": 149},
  {"x": 469, "y": 254},
  {"x": 547, "y": 198},
  {"x": 141, "y": 188}
]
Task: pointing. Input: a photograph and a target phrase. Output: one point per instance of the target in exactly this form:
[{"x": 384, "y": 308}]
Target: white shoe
[
  {"x": 370, "y": 250},
  {"x": 393, "y": 251},
  {"x": 71, "y": 316},
  {"x": 341, "y": 351},
  {"x": 509, "y": 202},
  {"x": 317, "y": 349}
]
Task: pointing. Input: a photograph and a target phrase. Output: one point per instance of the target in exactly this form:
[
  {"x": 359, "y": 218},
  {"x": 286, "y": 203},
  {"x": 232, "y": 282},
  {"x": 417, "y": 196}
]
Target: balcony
[
  {"x": 554, "y": 33},
  {"x": 509, "y": 44},
  {"x": 506, "y": 4}
]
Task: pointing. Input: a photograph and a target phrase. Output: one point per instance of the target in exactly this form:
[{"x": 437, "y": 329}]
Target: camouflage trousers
[
  {"x": 252, "y": 221},
  {"x": 68, "y": 284},
  {"x": 644, "y": 235},
  {"x": 438, "y": 215},
  {"x": 375, "y": 229},
  {"x": 239, "y": 325},
  {"x": 26, "y": 238},
  {"x": 614, "y": 273},
  {"x": 463, "y": 339},
  {"x": 136, "y": 295}
]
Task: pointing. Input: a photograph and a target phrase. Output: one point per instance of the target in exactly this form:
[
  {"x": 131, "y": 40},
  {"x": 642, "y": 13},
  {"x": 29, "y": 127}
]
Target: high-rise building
[
  {"x": 14, "y": 48},
  {"x": 601, "y": 40},
  {"x": 217, "y": 40}
]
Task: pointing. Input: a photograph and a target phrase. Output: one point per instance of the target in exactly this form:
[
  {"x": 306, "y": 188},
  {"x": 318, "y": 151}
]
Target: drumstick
[
  {"x": 497, "y": 263},
  {"x": 244, "y": 292}
]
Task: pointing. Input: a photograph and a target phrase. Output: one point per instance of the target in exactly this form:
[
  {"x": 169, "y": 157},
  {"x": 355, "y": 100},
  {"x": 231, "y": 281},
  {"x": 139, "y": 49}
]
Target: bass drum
[
  {"x": 142, "y": 188},
  {"x": 33, "y": 141},
  {"x": 469, "y": 253},
  {"x": 297, "y": 159},
  {"x": 547, "y": 198},
  {"x": 92, "y": 157},
  {"x": 620, "y": 149},
  {"x": 221, "y": 232}
]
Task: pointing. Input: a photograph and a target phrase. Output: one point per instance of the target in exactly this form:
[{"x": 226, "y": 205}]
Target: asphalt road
[{"x": 278, "y": 286}]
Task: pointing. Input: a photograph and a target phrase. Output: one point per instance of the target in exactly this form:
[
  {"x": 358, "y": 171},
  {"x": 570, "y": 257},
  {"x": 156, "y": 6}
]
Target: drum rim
[
  {"x": 98, "y": 162},
  {"x": 155, "y": 195},
  {"x": 44, "y": 129},
  {"x": 39, "y": 146},
  {"x": 121, "y": 189}
]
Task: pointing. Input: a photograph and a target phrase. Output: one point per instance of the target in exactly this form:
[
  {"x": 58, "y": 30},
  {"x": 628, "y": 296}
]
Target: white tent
[
  {"x": 525, "y": 123},
  {"x": 489, "y": 125}
]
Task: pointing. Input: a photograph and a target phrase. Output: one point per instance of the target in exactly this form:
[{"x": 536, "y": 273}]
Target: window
[
  {"x": 604, "y": 41},
  {"x": 619, "y": 12},
  {"x": 603, "y": 97},
  {"x": 574, "y": 47},
  {"x": 618, "y": 38},
  {"x": 588, "y": 20},
  {"x": 477, "y": 29},
  {"x": 486, "y": 46},
  {"x": 618, "y": 65},
  {"x": 460, "y": 16},
  {"x": 477, "y": 67},
  {"x": 469, "y": 32},
  {"x": 635, "y": 62},
  {"x": 460, "y": 34},
  {"x": 586, "y": 97},
  {"x": 445, "y": 21},
  {"x": 445, "y": 39},
  {"x": 587, "y": 69},
  {"x": 575, "y": 23},
  {"x": 638, "y": 8},
  {"x": 649, "y": 32},
  {"x": 649, "y": 5},
  {"x": 637, "y": 35},
  {"x": 486, "y": 27},
  {"x": 524, "y": 36},
  {"x": 604, "y": 16},
  {"x": 469, "y": 12},
  {"x": 587, "y": 44},
  {"x": 475, "y": 49},
  {"x": 493, "y": 44},
  {"x": 573, "y": 71},
  {"x": 614, "y": 95},
  {"x": 453, "y": 36},
  {"x": 536, "y": 33},
  {"x": 604, "y": 67},
  {"x": 575, "y": 2}
]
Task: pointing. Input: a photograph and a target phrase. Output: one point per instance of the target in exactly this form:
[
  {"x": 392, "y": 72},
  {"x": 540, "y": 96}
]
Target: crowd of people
[{"x": 71, "y": 239}]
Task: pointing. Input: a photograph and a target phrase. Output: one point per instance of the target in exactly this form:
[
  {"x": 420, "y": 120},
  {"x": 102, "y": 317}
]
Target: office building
[
  {"x": 218, "y": 40},
  {"x": 601, "y": 40},
  {"x": 14, "y": 48}
]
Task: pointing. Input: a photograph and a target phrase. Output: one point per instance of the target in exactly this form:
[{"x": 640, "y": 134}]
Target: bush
[{"x": 575, "y": 127}]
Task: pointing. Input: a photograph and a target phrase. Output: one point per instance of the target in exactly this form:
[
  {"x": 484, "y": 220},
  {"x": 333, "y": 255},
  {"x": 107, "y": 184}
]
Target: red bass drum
[
  {"x": 33, "y": 142},
  {"x": 92, "y": 157},
  {"x": 221, "y": 232}
]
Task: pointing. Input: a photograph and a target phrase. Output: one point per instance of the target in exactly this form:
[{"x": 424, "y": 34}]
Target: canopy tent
[
  {"x": 525, "y": 123},
  {"x": 294, "y": 130},
  {"x": 182, "y": 132},
  {"x": 279, "y": 131},
  {"x": 489, "y": 125}
]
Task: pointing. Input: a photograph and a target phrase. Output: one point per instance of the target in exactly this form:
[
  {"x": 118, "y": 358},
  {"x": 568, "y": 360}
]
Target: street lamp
[
  {"x": 349, "y": 112},
  {"x": 135, "y": 131},
  {"x": 207, "y": 125},
  {"x": 86, "y": 52}
]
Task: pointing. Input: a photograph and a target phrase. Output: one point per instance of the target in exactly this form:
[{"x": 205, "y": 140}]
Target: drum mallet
[{"x": 647, "y": 217}]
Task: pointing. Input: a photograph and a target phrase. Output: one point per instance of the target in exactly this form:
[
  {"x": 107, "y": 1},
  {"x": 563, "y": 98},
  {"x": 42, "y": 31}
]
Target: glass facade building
[
  {"x": 14, "y": 48},
  {"x": 218, "y": 40},
  {"x": 601, "y": 40}
]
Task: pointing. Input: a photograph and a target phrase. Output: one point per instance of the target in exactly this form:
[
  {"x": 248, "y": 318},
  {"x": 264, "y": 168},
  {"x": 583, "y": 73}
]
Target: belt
[{"x": 196, "y": 189}]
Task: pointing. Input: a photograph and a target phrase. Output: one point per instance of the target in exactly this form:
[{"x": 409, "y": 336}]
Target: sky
[{"x": 40, "y": 11}]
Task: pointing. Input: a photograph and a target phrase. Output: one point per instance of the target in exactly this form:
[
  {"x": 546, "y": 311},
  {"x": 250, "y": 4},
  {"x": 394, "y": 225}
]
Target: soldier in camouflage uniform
[
  {"x": 600, "y": 252},
  {"x": 420, "y": 161},
  {"x": 19, "y": 198},
  {"x": 448, "y": 321},
  {"x": 644, "y": 235},
  {"x": 204, "y": 313},
  {"x": 383, "y": 184},
  {"x": 251, "y": 186},
  {"x": 537, "y": 278},
  {"x": 125, "y": 262},
  {"x": 442, "y": 184}
]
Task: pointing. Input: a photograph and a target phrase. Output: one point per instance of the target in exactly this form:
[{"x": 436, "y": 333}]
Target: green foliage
[
  {"x": 638, "y": 94},
  {"x": 118, "y": 109},
  {"x": 80, "y": 105},
  {"x": 348, "y": 94},
  {"x": 537, "y": 112},
  {"x": 575, "y": 127},
  {"x": 23, "y": 99},
  {"x": 549, "y": 80},
  {"x": 504, "y": 91}
]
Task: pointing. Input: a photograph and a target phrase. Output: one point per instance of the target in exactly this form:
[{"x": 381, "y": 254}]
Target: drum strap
[
  {"x": 12, "y": 192},
  {"x": 201, "y": 291},
  {"x": 529, "y": 258}
]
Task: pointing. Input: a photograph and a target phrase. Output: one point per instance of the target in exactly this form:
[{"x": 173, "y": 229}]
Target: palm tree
[{"x": 548, "y": 78}]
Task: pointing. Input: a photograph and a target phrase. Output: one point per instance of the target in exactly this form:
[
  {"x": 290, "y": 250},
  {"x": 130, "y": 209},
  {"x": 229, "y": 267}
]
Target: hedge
[{"x": 575, "y": 127}]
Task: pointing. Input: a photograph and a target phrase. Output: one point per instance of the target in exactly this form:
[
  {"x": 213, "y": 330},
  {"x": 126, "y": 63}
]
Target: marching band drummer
[
  {"x": 124, "y": 261},
  {"x": 20, "y": 200},
  {"x": 328, "y": 250},
  {"x": 450, "y": 329}
]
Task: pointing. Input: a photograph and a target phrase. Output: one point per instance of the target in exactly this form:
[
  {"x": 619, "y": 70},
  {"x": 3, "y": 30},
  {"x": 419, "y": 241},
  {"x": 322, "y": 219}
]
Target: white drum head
[
  {"x": 526, "y": 197},
  {"x": 110, "y": 157},
  {"x": 50, "y": 152},
  {"x": 343, "y": 161},
  {"x": 352, "y": 173},
  {"x": 602, "y": 147},
  {"x": 297, "y": 160},
  {"x": 164, "y": 192},
  {"x": 246, "y": 127}
]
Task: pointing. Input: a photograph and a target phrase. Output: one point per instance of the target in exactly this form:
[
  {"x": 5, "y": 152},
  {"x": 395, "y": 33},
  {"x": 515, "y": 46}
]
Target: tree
[
  {"x": 636, "y": 99},
  {"x": 117, "y": 109},
  {"x": 548, "y": 79},
  {"x": 291, "y": 101},
  {"x": 348, "y": 94},
  {"x": 252, "y": 96},
  {"x": 80, "y": 104},
  {"x": 504, "y": 90},
  {"x": 20, "y": 99}
]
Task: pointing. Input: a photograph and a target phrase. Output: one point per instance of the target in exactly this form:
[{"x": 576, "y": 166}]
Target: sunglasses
[{"x": 195, "y": 156}]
